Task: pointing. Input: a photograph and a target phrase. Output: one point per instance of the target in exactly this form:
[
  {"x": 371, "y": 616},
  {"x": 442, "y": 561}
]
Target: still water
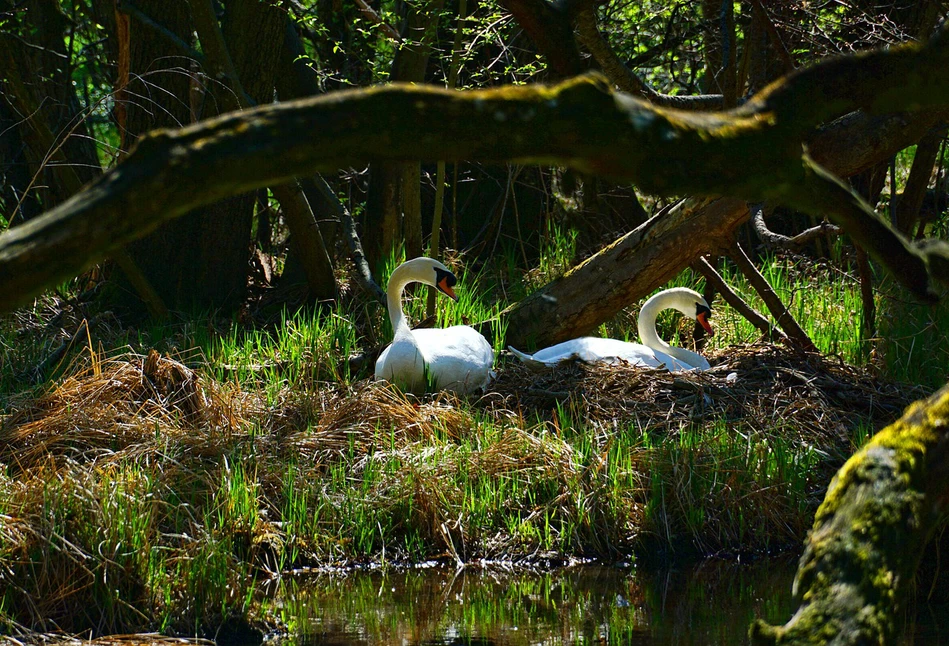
[{"x": 712, "y": 602}]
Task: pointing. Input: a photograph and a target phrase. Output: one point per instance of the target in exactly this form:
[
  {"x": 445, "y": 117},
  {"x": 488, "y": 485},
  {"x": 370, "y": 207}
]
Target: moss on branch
[
  {"x": 752, "y": 153},
  {"x": 862, "y": 553}
]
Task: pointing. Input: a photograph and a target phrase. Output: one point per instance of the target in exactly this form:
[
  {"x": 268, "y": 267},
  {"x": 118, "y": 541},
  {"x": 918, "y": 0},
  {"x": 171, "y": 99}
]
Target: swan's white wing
[
  {"x": 671, "y": 363},
  {"x": 402, "y": 363},
  {"x": 701, "y": 365},
  {"x": 593, "y": 349},
  {"x": 458, "y": 358},
  {"x": 567, "y": 351},
  {"x": 529, "y": 360},
  {"x": 613, "y": 350}
]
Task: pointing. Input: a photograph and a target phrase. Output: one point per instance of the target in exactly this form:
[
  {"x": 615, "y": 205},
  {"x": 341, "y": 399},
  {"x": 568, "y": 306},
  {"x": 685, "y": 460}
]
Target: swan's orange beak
[
  {"x": 446, "y": 289},
  {"x": 702, "y": 318}
]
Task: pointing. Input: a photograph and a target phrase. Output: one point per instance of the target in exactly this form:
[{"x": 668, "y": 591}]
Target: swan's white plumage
[
  {"x": 653, "y": 352},
  {"x": 456, "y": 358},
  {"x": 591, "y": 349}
]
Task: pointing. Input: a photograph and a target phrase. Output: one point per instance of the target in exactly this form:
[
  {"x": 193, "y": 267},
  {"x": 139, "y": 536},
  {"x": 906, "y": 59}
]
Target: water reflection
[{"x": 712, "y": 603}]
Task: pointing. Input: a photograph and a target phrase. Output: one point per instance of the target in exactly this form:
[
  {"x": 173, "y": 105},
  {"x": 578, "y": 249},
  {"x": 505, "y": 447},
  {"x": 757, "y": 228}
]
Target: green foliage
[{"x": 172, "y": 531}]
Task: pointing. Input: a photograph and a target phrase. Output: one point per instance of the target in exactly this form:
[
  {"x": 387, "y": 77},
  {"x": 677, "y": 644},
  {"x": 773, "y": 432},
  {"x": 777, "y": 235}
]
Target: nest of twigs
[{"x": 765, "y": 387}]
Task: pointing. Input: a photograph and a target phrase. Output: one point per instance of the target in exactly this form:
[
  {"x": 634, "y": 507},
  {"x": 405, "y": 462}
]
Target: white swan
[
  {"x": 456, "y": 358},
  {"x": 654, "y": 353}
]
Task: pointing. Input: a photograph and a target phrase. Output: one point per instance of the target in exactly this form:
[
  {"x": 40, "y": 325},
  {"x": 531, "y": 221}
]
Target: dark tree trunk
[
  {"x": 911, "y": 199},
  {"x": 201, "y": 260},
  {"x": 39, "y": 94},
  {"x": 15, "y": 175},
  {"x": 714, "y": 81},
  {"x": 173, "y": 258}
]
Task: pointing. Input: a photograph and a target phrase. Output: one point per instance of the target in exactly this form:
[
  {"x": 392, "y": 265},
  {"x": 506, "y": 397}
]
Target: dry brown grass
[
  {"x": 69, "y": 452},
  {"x": 113, "y": 408}
]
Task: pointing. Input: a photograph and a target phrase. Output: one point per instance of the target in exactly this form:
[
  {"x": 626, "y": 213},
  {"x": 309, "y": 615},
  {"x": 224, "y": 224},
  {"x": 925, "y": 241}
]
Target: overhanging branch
[{"x": 753, "y": 152}]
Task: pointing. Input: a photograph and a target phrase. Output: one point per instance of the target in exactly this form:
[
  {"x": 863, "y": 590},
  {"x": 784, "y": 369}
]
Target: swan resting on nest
[
  {"x": 652, "y": 352},
  {"x": 456, "y": 358}
]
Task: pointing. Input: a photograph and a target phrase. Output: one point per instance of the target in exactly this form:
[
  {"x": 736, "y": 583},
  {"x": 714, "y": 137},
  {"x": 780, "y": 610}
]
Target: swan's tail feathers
[{"x": 530, "y": 361}]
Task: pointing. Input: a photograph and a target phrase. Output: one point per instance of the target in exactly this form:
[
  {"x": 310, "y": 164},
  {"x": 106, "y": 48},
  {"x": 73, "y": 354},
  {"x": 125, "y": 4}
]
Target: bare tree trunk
[
  {"x": 911, "y": 199},
  {"x": 869, "y": 184},
  {"x": 383, "y": 216},
  {"x": 402, "y": 181},
  {"x": 159, "y": 87},
  {"x": 411, "y": 182},
  {"x": 714, "y": 82},
  {"x": 307, "y": 241}
]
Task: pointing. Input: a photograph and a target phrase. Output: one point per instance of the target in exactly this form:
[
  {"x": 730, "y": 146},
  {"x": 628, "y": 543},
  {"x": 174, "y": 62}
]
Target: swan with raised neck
[
  {"x": 687, "y": 301},
  {"x": 457, "y": 358}
]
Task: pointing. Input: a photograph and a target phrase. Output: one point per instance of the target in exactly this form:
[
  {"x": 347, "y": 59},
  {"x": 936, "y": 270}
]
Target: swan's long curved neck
[
  {"x": 650, "y": 338},
  {"x": 394, "y": 289}
]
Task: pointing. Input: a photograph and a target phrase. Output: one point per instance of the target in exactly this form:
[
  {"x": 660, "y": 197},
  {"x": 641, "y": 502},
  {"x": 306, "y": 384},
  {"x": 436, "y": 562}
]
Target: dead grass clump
[
  {"x": 377, "y": 415},
  {"x": 114, "y": 404}
]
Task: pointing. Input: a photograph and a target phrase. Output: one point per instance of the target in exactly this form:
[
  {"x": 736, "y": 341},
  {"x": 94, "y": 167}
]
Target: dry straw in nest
[{"x": 769, "y": 388}]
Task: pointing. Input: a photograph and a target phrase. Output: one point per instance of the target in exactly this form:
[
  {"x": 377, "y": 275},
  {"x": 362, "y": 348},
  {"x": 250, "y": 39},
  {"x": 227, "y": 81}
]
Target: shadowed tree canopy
[{"x": 753, "y": 152}]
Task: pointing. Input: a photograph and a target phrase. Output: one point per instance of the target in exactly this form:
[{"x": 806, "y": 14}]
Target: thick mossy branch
[
  {"x": 905, "y": 77},
  {"x": 752, "y": 153},
  {"x": 862, "y": 553}
]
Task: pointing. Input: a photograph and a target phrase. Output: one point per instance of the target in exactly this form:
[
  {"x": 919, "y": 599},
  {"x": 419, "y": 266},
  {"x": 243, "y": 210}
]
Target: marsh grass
[
  {"x": 166, "y": 486},
  {"x": 913, "y": 341}
]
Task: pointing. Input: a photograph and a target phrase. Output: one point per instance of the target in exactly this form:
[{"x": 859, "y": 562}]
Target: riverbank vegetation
[
  {"x": 199, "y": 202},
  {"x": 165, "y": 473}
]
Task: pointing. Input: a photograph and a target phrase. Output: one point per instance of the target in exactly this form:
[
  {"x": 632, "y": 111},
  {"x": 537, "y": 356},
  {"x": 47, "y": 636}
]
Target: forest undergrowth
[{"x": 165, "y": 472}]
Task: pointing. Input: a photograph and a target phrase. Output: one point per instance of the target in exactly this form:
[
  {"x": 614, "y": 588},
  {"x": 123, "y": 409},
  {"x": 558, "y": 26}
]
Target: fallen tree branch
[
  {"x": 753, "y": 151},
  {"x": 665, "y": 250},
  {"x": 622, "y": 273},
  {"x": 861, "y": 555},
  {"x": 778, "y": 310},
  {"x": 737, "y": 302},
  {"x": 772, "y": 239}
]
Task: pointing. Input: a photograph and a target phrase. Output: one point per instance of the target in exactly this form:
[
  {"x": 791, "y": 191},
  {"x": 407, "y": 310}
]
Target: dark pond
[{"x": 709, "y": 603}]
